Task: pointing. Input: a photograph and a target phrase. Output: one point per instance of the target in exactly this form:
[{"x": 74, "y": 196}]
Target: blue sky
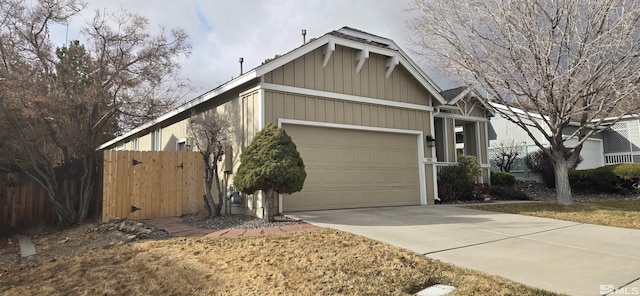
[{"x": 222, "y": 31}]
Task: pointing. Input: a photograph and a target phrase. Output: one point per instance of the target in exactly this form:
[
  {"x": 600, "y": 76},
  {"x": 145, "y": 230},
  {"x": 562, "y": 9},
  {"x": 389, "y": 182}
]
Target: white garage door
[
  {"x": 592, "y": 153},
  {"x": 351, "y": 168}
]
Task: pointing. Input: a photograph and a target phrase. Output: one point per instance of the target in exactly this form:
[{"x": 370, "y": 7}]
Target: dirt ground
[
  {"x": 53, "y": 243},
  {"x": 317, "y": 262}
]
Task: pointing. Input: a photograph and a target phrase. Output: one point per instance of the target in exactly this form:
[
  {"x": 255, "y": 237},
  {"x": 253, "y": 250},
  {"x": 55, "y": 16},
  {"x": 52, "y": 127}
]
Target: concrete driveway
[{"x": 555, "y": 255}]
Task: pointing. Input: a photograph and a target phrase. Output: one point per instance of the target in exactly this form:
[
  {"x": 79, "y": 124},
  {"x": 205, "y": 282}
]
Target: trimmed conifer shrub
[{"x": 271, "y": 163}]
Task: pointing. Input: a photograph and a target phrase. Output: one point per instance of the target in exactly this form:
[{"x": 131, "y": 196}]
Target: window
[
  {"x": 156, "y": 140},
  {"x": 181, "y": 145},
  {"x": 134, "y": 144}
]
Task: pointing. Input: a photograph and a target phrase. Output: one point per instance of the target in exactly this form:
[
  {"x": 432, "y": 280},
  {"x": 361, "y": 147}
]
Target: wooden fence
[
  {"x": 23, "y": 203},
  {"x": 151, "y": 184},
  {"x": 157, "y": 184}
]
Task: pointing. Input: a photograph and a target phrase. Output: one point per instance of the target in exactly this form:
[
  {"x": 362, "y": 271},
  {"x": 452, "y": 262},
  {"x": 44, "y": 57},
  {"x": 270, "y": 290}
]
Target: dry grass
[
  {"x": 617, "y": 213},
  {"x": 320, "y": 262}
]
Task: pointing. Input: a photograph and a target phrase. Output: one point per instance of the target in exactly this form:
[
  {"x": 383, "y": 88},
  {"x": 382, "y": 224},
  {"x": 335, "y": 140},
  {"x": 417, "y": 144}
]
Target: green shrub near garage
[
  {"x": 456, "y": 183},
  {"x": 610, "y": 178},
  {"x": 503, "y": 179}
]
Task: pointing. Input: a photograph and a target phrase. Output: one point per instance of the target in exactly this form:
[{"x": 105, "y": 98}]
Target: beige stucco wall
[
  {"x": 173, "y": 133},
  {"x": 144, "y": 142},
  {"x": 339, "y": 76}
]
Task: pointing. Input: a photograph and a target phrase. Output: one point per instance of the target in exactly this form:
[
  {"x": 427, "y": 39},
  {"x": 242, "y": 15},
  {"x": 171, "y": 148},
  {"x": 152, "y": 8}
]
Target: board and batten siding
[
  {"x": 451, "y": 139},
  {"x": 280, "y": 105},
  {"x": 339, "y": 76},
  {"x": 249, "y": 123},
  {"x": 482, "y": 126},
  {"x": 300, "y": 107},
  {"x": 244, "y": 115}
]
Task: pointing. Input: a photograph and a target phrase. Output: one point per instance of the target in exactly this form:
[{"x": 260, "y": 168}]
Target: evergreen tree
[{"x": 273, "y": 164}]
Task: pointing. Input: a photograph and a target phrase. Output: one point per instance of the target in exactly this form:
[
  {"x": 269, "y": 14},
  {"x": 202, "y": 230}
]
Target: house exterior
[
  {"x": 622, "y": 140},
  {"x": 371, "y": 126},
  {"x": 502, "y": 130}
]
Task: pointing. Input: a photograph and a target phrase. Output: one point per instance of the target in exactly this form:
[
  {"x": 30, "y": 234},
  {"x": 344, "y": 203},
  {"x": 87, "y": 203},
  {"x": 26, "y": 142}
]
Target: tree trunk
[
  {"x": 87, "y": 186},
  {"x": 268, "y": 206},
  {"x": 65, "y": 217},
  {"x": 208, "y": 199},
  {"x": 49, "y": 183},
  {"x": 218, "y": 207},
  {"x": 563, "y": 188}
]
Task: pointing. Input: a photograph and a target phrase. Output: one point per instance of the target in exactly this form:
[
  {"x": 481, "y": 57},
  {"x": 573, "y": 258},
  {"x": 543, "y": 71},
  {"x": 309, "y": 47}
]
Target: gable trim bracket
[
  {"x": 328, "y": 50},
  {"x": 391, "y": 64},
  {"x": 361, "y": 57}
]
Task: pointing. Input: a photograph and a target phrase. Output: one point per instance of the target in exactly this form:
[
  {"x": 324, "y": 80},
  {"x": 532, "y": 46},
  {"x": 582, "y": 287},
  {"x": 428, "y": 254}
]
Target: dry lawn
[
  {"x": 320, "y": 262},
  {"x": 617, "y": 213}
]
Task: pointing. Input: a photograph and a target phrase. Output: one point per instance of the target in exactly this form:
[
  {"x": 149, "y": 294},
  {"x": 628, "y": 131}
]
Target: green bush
[
  {"x": 457, "y": 182},
  {"x": 627, "y": 171},
  {"x": 508, "y": 193},
  {"x": 610, "y": 178},
  {"x": 270, "y": 163},
  {"x": 504, "y": 179},
  {"x": 470, "y": 162}
]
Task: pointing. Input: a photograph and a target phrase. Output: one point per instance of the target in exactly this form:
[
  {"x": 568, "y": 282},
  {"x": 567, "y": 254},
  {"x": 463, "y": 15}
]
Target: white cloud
[{"x": 222, "y": 31}]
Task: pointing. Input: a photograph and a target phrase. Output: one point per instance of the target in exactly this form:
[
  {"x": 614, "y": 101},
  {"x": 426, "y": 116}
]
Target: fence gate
[{"x": 151, "y": 184}]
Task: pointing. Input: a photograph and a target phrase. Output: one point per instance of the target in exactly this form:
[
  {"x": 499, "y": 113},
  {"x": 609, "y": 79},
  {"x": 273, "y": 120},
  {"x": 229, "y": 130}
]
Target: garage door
[
  {"x": 350, "y": 169},
  {"x": 592, "y": 153}
]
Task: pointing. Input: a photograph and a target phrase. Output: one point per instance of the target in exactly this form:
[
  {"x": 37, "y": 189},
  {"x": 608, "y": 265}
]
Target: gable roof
[
  {"x": 353, "y": 38},
  {"x": 455, "y": 94},
  {"x": 346, "y": 36}
]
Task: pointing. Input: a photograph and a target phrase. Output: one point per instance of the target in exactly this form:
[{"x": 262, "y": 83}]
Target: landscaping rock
[
  {"x": 538, "y": 191},
  {"x": 134, "y": 229},
  {"x": 203, "y": 220}
]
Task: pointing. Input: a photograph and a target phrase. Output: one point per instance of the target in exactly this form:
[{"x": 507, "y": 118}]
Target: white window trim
[
  {"x": 135, "y": 144},
  {"x": 156, "y": 140},
  {"x": 180, "y": 141}
]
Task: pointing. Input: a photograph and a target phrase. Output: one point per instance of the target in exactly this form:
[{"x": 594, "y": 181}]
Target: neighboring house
[
  {"x": 371, "y": 126},
  {"x": 594, "y": 150},
  {"x": 622, "y": 140}
]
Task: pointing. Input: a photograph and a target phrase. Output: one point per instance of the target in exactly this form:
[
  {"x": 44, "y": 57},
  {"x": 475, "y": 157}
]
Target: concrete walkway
[
  {"x": 559, "y": 256},
  {"x": 176, "y": 228}
]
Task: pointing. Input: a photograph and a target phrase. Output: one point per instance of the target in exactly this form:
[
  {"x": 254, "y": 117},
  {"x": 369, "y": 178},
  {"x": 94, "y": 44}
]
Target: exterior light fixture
[{"x": 431, "y": 141}]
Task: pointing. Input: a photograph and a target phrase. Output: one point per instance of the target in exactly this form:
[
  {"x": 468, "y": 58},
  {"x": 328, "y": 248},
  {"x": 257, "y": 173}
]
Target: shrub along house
[{"x": 371, "y": 126}]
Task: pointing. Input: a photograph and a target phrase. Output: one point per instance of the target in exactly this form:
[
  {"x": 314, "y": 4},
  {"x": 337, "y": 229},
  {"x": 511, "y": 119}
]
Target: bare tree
[
  {"x": 507, "y": 152},
  {"x": 210, "y": 132},
  {"x": 566, "y": 60},
  {"x": 60, "y": 105}
]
